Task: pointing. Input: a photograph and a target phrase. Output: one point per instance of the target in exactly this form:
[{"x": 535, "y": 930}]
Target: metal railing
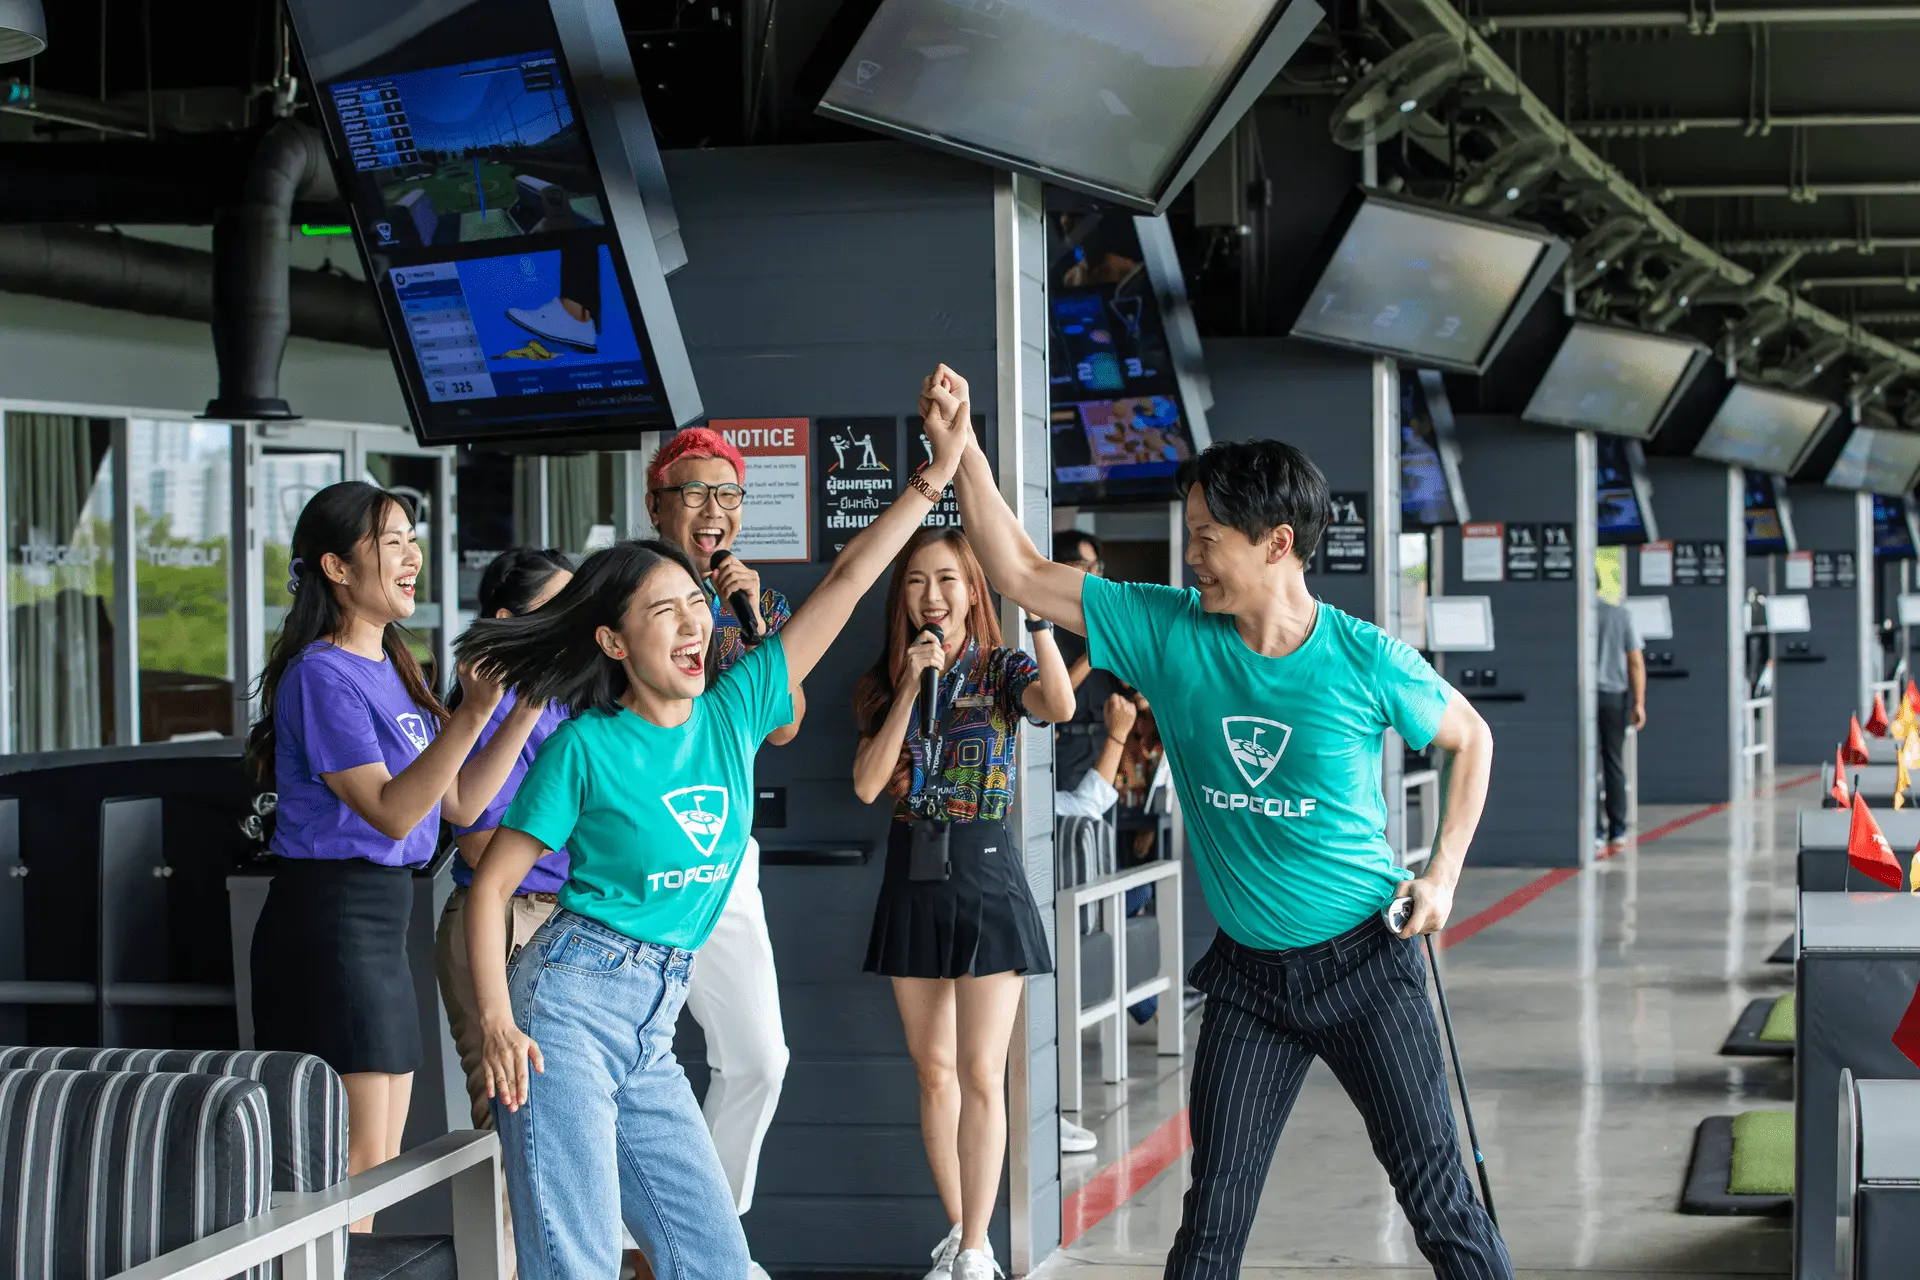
[
  {"x": 307, "y": 1231},
  {"x": 1756, "y": 740},
  {"x": 1109, "y": 894}
]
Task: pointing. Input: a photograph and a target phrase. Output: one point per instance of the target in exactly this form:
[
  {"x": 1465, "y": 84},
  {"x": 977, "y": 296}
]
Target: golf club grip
[{"x": 1466, "y": 1106}]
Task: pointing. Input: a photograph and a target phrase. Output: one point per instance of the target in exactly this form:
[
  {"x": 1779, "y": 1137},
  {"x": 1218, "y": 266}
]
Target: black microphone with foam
[
  {"x": 930, "y": 687},
  {"x": 740, "y": 602}
]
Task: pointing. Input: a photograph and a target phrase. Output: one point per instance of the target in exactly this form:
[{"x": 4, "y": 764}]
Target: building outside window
[{"x": 179, "y": 474}]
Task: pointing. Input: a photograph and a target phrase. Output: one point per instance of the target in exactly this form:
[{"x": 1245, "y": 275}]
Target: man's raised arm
[{"x": 1014, "y": 565}]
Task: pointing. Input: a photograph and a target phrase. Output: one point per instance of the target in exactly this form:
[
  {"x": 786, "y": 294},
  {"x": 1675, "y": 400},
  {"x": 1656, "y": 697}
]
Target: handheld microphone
[
  {"x": 740, "y": 602},
  {"x": 930, "y": 687}
]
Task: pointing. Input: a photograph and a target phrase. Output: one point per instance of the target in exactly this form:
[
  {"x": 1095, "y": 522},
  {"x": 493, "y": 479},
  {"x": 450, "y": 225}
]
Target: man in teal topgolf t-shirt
[{"x": 1273, "y": 708}]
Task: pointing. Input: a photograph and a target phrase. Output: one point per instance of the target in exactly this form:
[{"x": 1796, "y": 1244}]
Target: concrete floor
[{"x": 1590, "y": 1021}]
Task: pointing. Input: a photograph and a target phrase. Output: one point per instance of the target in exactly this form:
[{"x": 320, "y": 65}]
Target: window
[
  {"x": 584, "y": 494},
  {"x": 59, "y": 492},
  {"x": 180, "y": 478}
]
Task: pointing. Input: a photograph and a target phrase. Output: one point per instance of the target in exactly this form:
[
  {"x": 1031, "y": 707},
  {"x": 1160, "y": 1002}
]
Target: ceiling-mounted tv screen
[
  {"x": 495, "y": 198},
  {"x": 1878, "y": 460},
  {"x": 1426, "y": 283},
  {"x": 1128, "y": 393},
  {"x": 1430, "y": 491},
  {"x": 1616, "y": 381},
  {"x": 1764, "y": 428},
  {"x": 1769, "y": 515},
  {"x": 1896, "y": 528},
  {"x": 1121, "y": 99},
  {"x": 1623, "y": 496}
]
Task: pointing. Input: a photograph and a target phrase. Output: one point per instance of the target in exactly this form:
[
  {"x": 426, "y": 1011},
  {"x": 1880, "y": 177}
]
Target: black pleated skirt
[
  {"x": 330, "y": 971},
  {"x": 979, "y": 921}
]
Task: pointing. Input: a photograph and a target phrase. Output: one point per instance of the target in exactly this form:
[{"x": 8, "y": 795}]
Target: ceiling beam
[
  {"x": 1674, "y": 126},
  {"x": 1862, "y": 245},
  {"x": 1695, "y": 20},
  {"x": 1909, "y": 283},
  {"x": 1802, "y": 192},
  {"x": 1521, "y": 111}
]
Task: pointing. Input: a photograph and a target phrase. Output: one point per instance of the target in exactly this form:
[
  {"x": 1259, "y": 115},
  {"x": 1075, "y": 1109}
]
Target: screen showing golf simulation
[
  {"x": 1426, "y": 486},
  {"x": 1420, "y": 285},
  {"x": 1766, "y": 515},
  {"x": 1613, "y": 380},
  {"x": 1878, "y": 461},
  {"x": 1764, "y": 429},
  {"x": 1111, "y": 94},
  {"x": 1893, "y": 528},
  {"x": 1619, "y": 484},
  {"x": 481, "y": 210}
]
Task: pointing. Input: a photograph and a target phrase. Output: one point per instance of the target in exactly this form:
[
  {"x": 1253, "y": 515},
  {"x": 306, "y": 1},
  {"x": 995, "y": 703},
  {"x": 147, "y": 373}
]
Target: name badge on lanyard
[{"x": 972, "y": 700}]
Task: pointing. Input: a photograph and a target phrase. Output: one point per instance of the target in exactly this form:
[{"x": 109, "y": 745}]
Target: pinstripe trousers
[{"x": 1360, "y": 1002}]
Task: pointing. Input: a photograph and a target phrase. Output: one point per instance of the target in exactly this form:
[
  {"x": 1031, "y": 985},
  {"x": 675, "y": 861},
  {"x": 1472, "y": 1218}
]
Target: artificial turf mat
[
  {"x": 1705, "y": 1191},
  {"x": 1762, "y": 1154},
  {"x": 1785, "y": 952},
  {"x": 1745, "y": 1040},
  {"x": 1779, "y": 1028}
]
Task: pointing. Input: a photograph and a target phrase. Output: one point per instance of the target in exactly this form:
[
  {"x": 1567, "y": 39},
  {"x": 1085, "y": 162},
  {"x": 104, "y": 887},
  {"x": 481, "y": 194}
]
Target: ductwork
[
  {"x": 251, "y": 308},
  {"x": 106, "y": 269}
]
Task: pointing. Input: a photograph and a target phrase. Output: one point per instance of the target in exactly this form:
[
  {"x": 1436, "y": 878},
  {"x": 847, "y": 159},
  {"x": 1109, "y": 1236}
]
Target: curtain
[
  {"x": 59, "y": 579},
  {"x": 574, "y": 500}
]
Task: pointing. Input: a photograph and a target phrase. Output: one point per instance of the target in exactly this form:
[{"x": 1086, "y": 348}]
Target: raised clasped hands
[{"x": 946, "y": 415}]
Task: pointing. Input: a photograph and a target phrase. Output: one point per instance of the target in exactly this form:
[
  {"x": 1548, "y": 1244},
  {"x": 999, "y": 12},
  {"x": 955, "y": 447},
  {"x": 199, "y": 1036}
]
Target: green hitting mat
[
  {"x": 1762, "y": 1154},
  {"x": 1779, "y": 1024}
]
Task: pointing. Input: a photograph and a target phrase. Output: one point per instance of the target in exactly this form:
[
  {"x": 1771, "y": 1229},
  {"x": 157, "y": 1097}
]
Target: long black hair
[
  {"x": 512, "y": 579},
  {"x": 553, "y": 654},
  {"x": 335, "y": 521}
]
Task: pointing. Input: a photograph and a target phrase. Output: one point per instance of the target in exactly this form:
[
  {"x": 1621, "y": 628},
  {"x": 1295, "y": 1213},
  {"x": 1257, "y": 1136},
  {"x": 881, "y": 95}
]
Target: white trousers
[{"x": 735, "y": 997}]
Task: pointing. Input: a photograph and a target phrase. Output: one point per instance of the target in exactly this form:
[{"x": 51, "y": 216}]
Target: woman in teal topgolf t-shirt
[{"x": 650, "y": 789}]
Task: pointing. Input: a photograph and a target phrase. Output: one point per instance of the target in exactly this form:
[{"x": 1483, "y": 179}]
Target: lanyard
[{"x": 929, "y": 800}]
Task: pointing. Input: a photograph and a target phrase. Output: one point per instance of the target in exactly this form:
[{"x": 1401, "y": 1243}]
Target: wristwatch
[{"x": 1037, "y": 625}]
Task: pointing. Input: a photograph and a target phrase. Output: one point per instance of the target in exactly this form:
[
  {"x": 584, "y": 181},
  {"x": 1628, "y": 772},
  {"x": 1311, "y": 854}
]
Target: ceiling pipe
[
  {"x": 1909, "y": 283},
  {"x": 1887, "y": 317},
  {"x": 1520, "y": 110},
  {"x": 1674, "y": 126},
  {"x": 1789, "y": 191},
  {"x": 1648, "y": 19},
  {"x": 1757, "y": 288},
  {"x": 1818, "y": 245}
]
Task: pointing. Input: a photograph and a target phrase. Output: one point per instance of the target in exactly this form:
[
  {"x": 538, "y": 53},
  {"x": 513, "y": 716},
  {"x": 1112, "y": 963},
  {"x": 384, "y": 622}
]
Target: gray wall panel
[{"x": 1813, "y": 699}]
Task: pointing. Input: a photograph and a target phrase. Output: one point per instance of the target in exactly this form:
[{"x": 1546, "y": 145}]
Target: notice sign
[
  {"x": 1556, "y": 552},
  {"x": 1799, "y": 575},
  {"x": 1483, "y": 549},
  {"x": 1713, "y": 564},
  {"x": 946, "y": 512},
  {"x": 1656, "y": 564},
  {"x": 1523, "y": 553},
  {"x": 1686, "y": 564},
  {"x": 1843, "y": 569},
  {"x": 1345, "y": 541},
  {"x": 858, "y": 463},
  {"x": 1823, "y": 568},
  {"x": 773, "y": 517}
]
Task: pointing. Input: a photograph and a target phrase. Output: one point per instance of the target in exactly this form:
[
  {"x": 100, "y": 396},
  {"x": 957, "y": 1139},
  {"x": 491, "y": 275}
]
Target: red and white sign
[
  {"x": 775, "y": 522},
  {"x": 1656, "y": 564},
  {"x": 1483, "y": 552}
]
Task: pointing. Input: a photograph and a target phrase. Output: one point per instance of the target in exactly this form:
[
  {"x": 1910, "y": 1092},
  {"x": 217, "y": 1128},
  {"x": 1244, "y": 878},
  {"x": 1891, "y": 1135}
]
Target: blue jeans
[{"x": 610, "y": 1132}]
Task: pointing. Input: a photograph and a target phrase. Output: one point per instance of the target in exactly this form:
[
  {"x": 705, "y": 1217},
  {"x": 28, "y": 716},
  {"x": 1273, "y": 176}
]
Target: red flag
[
  {"x": 1839, "y": 788},
  {"x": 1856, "y": 752},
  {"x": 1868, "y": 851},
  {"x": 1877, "y": 721},
  {"x": 1913, "y": 696},
  {"x": 1906, "y": 1036}
]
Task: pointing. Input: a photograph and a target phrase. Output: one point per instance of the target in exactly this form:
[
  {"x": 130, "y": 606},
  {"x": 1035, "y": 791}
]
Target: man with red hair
[{"x": 696, "y": 493}]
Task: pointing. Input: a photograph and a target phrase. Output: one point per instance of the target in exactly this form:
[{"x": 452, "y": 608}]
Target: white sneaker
[
  {"x": 1074, "y": 1140},
  {"x": 554, "y": 324},
  {"x": 977, "y": 1264},
  {"x": 943, "y": 1256}
]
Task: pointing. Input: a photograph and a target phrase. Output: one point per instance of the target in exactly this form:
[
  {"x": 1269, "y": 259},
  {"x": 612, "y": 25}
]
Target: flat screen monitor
[
  {"x": 495, "y": 198},
  {"x": 1119, "y": 99},
  {"x": 1769, "y": 516},
  {"x": 1615, "y": 381},
  {"x": 1430, "y": 491},
  {"x": 1764, "y": 428},
  {"x": 1788, "y": 615},
  {"x": 1459, "y": 624},
  {"x": 1908, "y": 607},
  {"x": 1623, "y": 496},
  {"x": 1127, "y": 388},
  {"x": 1878, "y": 460},
  {"x": 1425, "y": 283},
  {"x": 1896, "y": 528},
  {"x": 1652, "y": 616}
]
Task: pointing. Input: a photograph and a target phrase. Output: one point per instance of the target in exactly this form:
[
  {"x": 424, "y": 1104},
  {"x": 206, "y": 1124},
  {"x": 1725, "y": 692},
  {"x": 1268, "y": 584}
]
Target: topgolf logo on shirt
[
  {"x": 1256, "y": 745},
  {"x": 415, "y": 727},
  {"x": 703, "y": 824}
]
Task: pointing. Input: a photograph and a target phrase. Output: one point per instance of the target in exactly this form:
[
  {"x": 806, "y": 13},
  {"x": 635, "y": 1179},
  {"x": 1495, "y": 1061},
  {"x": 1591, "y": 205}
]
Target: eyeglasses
[{"x": 694, "y": 493}]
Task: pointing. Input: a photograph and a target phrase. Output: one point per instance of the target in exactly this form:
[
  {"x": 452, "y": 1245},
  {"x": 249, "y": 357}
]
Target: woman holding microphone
[
  {"x": 649, "y": 787},
  {"x": 365, "y": 761}
]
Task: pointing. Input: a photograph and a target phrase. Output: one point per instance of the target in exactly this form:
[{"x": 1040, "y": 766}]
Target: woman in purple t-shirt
[{"x": 365, "y": 761}]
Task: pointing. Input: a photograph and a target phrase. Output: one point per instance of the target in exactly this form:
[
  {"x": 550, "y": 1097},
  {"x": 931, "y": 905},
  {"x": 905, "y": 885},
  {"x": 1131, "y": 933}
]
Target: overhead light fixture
[
  {"x": 23, "y": 29},
  {"x": 1411, "y": 104}
]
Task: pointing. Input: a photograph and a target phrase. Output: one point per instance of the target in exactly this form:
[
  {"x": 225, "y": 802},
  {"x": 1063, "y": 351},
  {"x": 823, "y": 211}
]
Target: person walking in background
[
  {"x": 955, "y": 926},
  {"x": 517, "y": 582},
  {"x": 365, "y": 761},
  {"x": 1076, "y": 741},
  {"x": 1620, "y": 685}
]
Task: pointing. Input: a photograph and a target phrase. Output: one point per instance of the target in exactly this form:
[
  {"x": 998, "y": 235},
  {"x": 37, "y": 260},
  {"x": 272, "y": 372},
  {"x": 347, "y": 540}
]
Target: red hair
[{"x": 694, "y": 442}]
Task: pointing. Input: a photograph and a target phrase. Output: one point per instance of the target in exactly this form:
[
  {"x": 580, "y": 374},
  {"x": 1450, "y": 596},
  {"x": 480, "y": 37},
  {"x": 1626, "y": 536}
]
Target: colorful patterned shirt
[
  {"x": 982, "y": 733},
  {"x": 733, "y": 646}
]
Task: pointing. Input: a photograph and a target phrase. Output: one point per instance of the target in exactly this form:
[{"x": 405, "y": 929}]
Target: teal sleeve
[
  {"x": 1130, "y": 627},
  {"x": 547, "y": 806},
  {"x": 754, "y": 690},
  {"x": 1413, "y": 696}
]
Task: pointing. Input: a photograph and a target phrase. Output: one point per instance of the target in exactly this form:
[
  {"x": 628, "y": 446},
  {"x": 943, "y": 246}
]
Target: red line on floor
[{"x": 1120, "y": 1181}]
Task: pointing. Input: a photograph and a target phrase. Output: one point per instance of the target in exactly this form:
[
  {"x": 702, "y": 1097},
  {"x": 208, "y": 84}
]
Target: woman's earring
[{"x": 620, "y": 656}]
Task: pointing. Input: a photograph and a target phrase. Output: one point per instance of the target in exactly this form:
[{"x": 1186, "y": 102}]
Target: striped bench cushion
[
  {"x": 101, "y": 1171},
  {"x": 307, "y": 1101}
]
